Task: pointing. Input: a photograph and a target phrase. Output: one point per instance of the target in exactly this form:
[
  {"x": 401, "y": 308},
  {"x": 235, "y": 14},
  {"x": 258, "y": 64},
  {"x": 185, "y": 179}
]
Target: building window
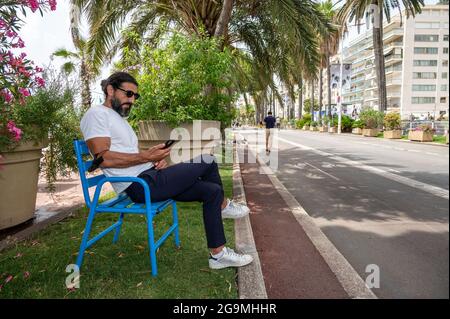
[
  {"x": 423, "y": 100},
  {"x": 426, "y": 38},
  {"x": 427, "y": 25},
  {"x": 424, "y": 87},
  {"x": 444, "y": 75},
  {"x": 443, "y": 99},
  {"x": 425, "y": 62},
  {"x": 446, "y": 50},
  {"x": 445, "y": 63},
  {"x": 424, "y": 75},
  {"x": 446, "y": 37},
  {"x": 444, "y": 87},
  {"x": 419, "y": 50}
]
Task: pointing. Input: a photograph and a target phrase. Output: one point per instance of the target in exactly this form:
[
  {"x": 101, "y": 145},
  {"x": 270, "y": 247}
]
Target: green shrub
[
  {"x": 50, "y": 112},
  {"x": 184, "y": 81},
  {"x": 392, "y": 121},
  {"x": 314, "y": 124},
  {"x": 358, "y": 124},
  {"x": 372, "y": 119},
  {"x": 346, "y": 123}
]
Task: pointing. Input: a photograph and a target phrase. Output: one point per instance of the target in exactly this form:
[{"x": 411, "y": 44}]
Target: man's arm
[{"x": 100, "y": 147}]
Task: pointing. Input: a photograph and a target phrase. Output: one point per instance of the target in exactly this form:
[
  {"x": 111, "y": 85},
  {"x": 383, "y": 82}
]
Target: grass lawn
[
  {"x": 439, "y": 139},
  {"x": 36, "y": 268}
]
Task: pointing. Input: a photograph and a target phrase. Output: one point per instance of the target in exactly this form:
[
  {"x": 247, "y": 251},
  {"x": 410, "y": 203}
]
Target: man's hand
[
  {"x": 160, "y": 164},
  {"x": 157, "y": 153}
]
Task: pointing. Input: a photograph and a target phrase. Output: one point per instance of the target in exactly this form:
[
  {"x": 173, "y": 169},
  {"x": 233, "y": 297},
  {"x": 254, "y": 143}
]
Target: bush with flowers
[
  {"x": 19, "y": 77},
  {"x": 427, "y": 128},
  {"x": 34, "y": 104}
]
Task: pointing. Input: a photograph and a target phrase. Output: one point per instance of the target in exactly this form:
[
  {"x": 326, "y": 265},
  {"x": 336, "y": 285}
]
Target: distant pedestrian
[{"x": 270, "y": 124}]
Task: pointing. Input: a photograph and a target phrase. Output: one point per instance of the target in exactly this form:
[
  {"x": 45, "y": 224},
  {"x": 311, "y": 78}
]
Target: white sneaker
[
  {"x": 229, "y": 259},
  {"x": 234, "y": 210}
]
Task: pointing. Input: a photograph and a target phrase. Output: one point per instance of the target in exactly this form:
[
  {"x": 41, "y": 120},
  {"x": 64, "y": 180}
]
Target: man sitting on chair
[{"x": 108, "y": 135}]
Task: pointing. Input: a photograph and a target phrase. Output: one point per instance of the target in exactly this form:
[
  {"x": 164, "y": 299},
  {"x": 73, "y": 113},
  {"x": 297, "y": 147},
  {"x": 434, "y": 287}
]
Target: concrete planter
[
  {"x": 313, "y": 128},
  {"x": 19, "y": 183},
  {"x": 323, "y": 129},
  {"x": 332, "y": 130},
  {"x": 420, "y": 136},
  {"x": 195, "y": 138},
  {"x": 306, "y": 128},
  {"x": 357, "y": 131},
  {"x": 395, "y": 134},
  {"x": 371, "y": 132}
]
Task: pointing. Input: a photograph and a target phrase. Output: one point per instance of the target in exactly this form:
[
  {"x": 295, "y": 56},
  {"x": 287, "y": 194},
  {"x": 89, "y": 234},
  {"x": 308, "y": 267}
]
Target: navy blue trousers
[{"x": 188, "y": 182}]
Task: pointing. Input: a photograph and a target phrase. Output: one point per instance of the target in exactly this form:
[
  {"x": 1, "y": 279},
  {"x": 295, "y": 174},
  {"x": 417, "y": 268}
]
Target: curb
[
  {"x": 347, "y": 276},
  {"x": 250, "y": 278}
]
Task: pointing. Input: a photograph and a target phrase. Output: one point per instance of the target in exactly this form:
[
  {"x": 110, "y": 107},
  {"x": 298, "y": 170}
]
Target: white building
[{"x": 416, "y": 65}]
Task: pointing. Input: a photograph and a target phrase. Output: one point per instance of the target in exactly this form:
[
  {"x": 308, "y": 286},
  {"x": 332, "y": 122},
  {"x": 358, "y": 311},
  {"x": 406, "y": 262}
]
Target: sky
[{"x": 43, "y": 35}]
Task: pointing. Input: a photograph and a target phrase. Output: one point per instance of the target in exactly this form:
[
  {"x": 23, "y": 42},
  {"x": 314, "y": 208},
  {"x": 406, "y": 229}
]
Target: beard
[{"x": 118, "y": 107}]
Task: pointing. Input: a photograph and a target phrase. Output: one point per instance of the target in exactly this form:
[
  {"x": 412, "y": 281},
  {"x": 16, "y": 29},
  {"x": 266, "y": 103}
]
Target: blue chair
[{"x": 122, "y": 205}]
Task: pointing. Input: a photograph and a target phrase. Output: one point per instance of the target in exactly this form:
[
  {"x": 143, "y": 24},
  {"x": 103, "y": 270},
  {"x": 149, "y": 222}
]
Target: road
[{"x": 380, "y": 202}]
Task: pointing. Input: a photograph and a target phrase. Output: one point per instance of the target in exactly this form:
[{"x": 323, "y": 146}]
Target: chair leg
[
  {"x": 151, "y": 244},
  {"x": 117, "y": 232},
  {"x": 175, "y": 221},
  {"x": 85, "y": 238}
]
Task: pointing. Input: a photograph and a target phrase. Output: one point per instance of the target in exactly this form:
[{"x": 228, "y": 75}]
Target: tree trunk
[
  {"x": 320, "y": 93},
  {"x": 300, "y": 97},
  {"x": 224, "y": 19},
  {"x": 85, "y": 91},
  {"x": 378, "y": 47},
  {"x": 312, "y": 100},
  {"x": 328, "y": 81}
]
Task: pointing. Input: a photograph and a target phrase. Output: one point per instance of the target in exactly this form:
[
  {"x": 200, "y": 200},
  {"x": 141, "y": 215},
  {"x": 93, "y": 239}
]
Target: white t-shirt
[{"x": 102, "y": 121}]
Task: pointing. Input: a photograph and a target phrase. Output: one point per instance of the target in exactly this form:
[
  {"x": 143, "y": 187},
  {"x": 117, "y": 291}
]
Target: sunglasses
[{"x": 130, "y": 93}]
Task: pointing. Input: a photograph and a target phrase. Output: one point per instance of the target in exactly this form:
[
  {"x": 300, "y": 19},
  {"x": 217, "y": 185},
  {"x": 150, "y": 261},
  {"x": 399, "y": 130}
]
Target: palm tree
[
  {"x": 328, "y": 46},
  {"x": 356, "y": 9},
  {"x": 75, "y": 60},
  {"x": 274, "y": 35},
  {"x": 79, "y": 59}
]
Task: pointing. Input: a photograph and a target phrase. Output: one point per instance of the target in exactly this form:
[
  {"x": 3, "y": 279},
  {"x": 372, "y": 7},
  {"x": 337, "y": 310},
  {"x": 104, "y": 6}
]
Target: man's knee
[{"x": 214, "y": 191}]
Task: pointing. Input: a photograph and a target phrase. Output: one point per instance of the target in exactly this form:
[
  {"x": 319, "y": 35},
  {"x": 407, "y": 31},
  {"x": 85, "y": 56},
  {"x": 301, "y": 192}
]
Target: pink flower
[
  {"x": 6, "y": 95},
  {"x": 11, "y": 34},
  {"x": 24, "y": 92},
  {"x": 40, "y": 81},
  {"x": 52, "y": 4},
  {"x": 14, "y": 130},
  {"x": 33, "y": 4}
]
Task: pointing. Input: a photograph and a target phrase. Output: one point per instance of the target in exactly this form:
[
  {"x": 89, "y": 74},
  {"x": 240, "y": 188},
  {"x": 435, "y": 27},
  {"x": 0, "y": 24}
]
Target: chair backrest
[{"x": 81, "y": 149}]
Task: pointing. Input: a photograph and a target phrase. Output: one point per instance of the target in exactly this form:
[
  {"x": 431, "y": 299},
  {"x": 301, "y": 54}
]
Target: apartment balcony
[
  {"x": 393, "y": 82},
  {"x": 393, "y": 34}
]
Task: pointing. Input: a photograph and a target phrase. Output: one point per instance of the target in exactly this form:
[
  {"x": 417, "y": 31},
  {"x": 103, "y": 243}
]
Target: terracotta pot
[
  {"x": 371, "y": 132},
  {"x": 395, "y": 134},
  {"x": 332, "y": 130},
  {"x": 305, "y": 128},
  {"x": 357, "y": 131},
  {"x": 19, "y": 183},
  {"x": 420, "y": 136}
]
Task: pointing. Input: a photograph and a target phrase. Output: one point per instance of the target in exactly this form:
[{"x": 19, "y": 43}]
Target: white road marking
[
  {"x": 323, "y": 172},
  {"x": 434, "y": 190}
]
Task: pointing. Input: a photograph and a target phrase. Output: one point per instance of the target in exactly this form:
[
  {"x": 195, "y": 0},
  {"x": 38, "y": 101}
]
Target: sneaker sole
[{"x": 222, "y": 266}]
